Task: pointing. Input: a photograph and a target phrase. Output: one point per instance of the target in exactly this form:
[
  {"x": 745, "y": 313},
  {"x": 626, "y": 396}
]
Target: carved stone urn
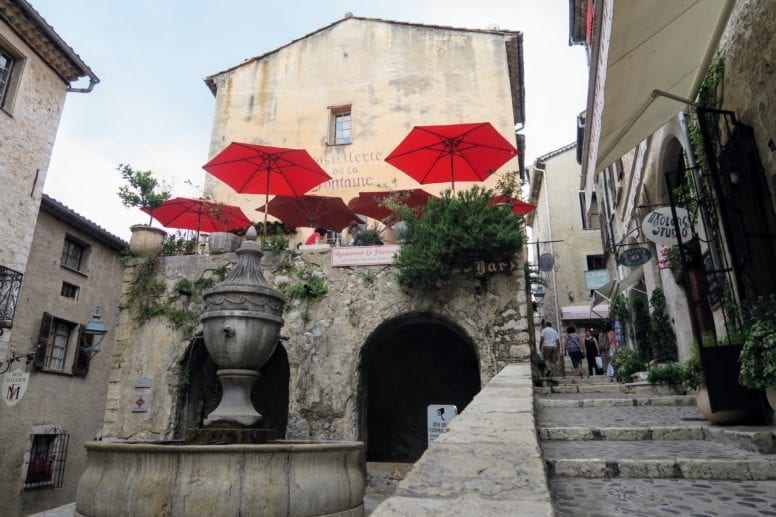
[{"x": 242, "y": 319}]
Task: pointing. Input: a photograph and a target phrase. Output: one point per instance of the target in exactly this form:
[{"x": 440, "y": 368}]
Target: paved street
[{"x": 615, "y": 450}]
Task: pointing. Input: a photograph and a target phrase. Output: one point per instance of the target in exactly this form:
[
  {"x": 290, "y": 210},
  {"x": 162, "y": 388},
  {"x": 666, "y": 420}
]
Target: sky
[{"x": 153, "y": 111}]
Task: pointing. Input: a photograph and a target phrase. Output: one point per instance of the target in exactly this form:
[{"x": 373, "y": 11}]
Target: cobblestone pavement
[
  {"x": 614, "y": 452},
  {"x": 649, "y": 497}
]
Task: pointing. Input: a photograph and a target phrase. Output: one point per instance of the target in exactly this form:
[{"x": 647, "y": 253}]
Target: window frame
[
  {"x": 67, "y": 287},
  {"x": 335, "y": 114},
  {"x": 60, "y": 334},
  {"x": 71, "y": 243},
  {"x": 52, "y": 458},
  {"x": 9, "y": 92}
]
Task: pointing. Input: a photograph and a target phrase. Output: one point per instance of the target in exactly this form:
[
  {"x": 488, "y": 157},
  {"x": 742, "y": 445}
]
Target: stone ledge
[
  {"x": 488, "y": 463},
  {"x": 725, "y": 469}
]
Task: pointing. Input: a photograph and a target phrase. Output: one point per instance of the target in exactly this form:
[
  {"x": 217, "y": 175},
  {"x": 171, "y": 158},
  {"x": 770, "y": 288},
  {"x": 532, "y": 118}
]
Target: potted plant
[
  {"x": 758, "y": 355},
  {"x": 143, "y": 190}
]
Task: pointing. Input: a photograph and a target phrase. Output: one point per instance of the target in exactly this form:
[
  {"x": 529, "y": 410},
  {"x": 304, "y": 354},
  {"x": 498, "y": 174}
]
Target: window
[
  {"x": 69, "y": 290},
  {"x": 46, "y": 459},
  {"x": 339, "y": 133},
  {"x": 59, "y": 344},
  {"x": 595, "y": 262},
  {"x": 74, "y": 255},
  {"x": 10, "y": 68}
]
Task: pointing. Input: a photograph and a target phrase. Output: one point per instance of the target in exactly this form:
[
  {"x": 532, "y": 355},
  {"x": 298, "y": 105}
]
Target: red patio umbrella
[
  {"x": 198, "y": 214},
  {"x": 454, "y": 152},
  {"x": 311, "y": 211},
  {"x": 262, "y": 169},
  {"x": 370, "y": 203},
  {"x": 519, "y": 207}
]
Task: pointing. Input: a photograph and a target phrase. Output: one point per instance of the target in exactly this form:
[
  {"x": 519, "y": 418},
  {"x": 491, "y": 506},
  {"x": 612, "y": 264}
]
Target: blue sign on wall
[
  {"x": 634, "y": 257},
  {"x": 596, "y": 278}
]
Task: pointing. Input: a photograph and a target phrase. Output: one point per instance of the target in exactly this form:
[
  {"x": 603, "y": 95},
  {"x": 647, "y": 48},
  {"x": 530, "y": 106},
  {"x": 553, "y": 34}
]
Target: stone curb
[
  {"x": 725, "y": 469},
  {"x": 679, "y": 400},
  {"x": 621, "y": 433}
]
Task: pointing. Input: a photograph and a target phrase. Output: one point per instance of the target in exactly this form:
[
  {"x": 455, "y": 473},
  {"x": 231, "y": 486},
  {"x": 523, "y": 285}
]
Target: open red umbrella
[
  {"x": 311, "y": 211},
  {"x": 370, "y": 203},
  {"x": 519, "y": 207},
  {"x": 198, "y": 214},
  {"x": 262, "y": 169},
  {"x": 454, "y": 152}
]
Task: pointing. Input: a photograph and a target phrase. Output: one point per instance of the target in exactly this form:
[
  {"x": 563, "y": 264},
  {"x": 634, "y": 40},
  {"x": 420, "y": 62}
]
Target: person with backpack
[{"x": 574, "y": 349}]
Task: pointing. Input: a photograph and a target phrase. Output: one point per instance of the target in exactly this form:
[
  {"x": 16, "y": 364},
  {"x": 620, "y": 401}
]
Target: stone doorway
[{"x": 408, "y": 363}]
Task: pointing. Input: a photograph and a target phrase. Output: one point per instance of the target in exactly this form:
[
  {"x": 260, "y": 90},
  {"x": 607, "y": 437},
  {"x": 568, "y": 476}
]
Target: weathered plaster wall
[
  {"x": 74, "y": 404},
  {"x": 325, "y": 342},
  {"x": 394, "y": 76}
]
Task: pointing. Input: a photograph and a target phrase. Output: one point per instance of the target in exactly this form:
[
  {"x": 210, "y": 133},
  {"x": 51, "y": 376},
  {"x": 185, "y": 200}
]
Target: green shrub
[
  {"x": 692, "y": 372},
  {"x": 626, "y": 361},
  {"x": 661, "y": 330},
  {"x": 274, "y": 243},
  {"x": 669, "y": 373},
  {"x": 452, "y": 233}
]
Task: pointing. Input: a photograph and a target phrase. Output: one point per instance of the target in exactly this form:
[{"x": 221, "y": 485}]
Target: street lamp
[{"x": 96, "y": 330}]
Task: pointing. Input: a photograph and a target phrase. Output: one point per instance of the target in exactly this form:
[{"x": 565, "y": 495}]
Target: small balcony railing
[{"x": 10, "y": 284}]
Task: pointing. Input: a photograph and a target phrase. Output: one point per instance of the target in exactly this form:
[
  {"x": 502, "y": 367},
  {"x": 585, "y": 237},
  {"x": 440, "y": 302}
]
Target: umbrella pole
[
  {"x": 452, "y": 172},
  {"x": 266, "y": 201}
]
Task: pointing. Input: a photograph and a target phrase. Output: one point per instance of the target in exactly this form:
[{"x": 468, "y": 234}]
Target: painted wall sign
[
  {"x": 438, "y": 417},
  {"x": 658, "y": 226},
  {"x": 482, "y": 268},
  {"x": 596, "y": 278},
  {"x": 15, "y": 386},
  {"x": 634, "y": 257},
  {"x": 364, "y": 255}
]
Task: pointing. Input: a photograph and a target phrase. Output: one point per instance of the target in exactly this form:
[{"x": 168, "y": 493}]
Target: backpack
[{"x": 572, "y": 342}]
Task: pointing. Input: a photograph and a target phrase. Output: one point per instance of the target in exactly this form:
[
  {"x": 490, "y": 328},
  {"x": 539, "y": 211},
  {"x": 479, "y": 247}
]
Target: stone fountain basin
[
  {"x": 277, "y": 478},
  {"x": 251, "y": 345}
]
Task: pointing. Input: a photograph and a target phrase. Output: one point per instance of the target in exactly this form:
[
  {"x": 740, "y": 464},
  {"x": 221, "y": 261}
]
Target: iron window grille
[
  {"x": 72, "y": 254},
  {"x": 10, "y": 284},
  {"x": 69, "y": 290},
  {"x": 46, "y": 462}
]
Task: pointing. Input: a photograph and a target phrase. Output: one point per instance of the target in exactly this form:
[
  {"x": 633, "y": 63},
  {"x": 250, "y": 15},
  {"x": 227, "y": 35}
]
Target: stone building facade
[
  {"x": 74, "y": 267},
  {"x": 561, "y": 227},
  {"x": 37, "y": 69},
  {"x": 365, "y": 339},
  {"x": 377, "y": 77},
  {"x": 734, "y": 250}
]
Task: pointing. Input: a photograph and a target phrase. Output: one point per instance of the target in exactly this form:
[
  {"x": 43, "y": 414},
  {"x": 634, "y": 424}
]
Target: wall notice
[{"x": 438, "y": 417}]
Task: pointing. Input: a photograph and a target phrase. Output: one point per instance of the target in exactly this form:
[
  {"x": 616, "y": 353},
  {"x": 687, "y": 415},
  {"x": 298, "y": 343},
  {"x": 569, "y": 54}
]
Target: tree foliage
[
  {"x": 453, "y": 232},
  {"x": 661, "y": 330},
  {"x": 142, "y": 189}
]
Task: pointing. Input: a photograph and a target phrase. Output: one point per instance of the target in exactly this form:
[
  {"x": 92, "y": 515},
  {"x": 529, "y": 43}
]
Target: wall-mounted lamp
[
  {"x": 97, "y": 330},
  {"x": 539, "y": 295}
]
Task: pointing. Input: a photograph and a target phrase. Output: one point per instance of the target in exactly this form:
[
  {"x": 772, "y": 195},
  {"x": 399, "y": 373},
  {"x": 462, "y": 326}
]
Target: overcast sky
[{"x": 153, "y": 110}]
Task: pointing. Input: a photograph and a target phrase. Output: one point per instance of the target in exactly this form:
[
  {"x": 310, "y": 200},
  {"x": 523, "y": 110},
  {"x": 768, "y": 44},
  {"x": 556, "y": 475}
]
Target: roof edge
[{"x": 69, "y": 216}]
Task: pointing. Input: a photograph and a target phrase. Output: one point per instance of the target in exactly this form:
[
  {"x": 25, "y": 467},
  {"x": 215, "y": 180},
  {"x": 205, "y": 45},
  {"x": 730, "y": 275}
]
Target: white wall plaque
[
  {"x": 15, "y": 386},
  {"x": 140, "y": 402},
  {"x": 438, "y": 417},
  {"x": 364, "y": 255}
]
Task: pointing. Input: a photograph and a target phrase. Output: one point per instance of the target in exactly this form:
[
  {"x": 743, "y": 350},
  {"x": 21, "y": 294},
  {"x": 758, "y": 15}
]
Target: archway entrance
[{"x": 407, "y": 364}]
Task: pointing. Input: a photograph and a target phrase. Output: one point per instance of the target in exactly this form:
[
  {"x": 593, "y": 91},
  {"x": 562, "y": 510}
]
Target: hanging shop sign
[
  {"x": 634, "y": 257},
  {"x": 596, "y": 278},
  {"x": 15, "y": 386},
  {"x": 658, "y": 226},
  {"x": 546, "y": 261}
]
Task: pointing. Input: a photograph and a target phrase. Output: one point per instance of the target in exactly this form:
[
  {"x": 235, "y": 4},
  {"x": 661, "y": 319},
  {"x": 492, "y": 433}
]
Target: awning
[
  {"x": 644, "y": 46},
  {"x": 614, "y": 287},
  {"x": 584, "y": 312}
]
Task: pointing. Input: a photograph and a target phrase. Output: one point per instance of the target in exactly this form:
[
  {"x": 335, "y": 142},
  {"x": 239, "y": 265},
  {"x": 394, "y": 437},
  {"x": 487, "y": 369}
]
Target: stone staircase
[{"x": 634, "y": 449}]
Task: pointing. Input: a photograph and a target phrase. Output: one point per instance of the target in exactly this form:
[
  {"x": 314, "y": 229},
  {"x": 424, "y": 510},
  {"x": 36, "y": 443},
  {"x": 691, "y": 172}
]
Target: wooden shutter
[
  {"x": 82, "y": 359},
  {"x": 43, "y": 340}
]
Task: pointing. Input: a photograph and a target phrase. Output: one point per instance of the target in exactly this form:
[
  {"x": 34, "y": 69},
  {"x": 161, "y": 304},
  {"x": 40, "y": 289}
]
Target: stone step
[
  {"x": 632, "y": 497},
  {"x": 612, "y": 400},
  {"x": 621, "y": 416},
  {"x": 657, "y": 459}
]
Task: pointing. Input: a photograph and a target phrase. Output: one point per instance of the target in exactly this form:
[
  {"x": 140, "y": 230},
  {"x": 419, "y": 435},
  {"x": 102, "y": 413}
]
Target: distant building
[
  {"x": 349, "y": 92},
  {"x": 563, "y": 230},
  {"x": 73, "y": 270}
]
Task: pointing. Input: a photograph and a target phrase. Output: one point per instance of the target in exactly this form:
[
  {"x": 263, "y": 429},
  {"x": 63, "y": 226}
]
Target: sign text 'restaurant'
[{"x": 364, "y": 255}]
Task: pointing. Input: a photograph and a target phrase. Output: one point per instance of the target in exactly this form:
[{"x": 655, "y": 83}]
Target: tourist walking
[
  {"x": 574, "y": 350},
  {"x": 611, "y": 340},
  {"x": 549, "y": 343},
  {"x": 592, "y": 351}
]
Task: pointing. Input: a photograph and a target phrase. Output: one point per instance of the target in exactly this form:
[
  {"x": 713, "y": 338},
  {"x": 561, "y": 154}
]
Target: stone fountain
[{"x": 246, "y": 472}]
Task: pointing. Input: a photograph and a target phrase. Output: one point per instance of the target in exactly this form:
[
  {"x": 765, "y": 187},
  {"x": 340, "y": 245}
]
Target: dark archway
[
  {"x": 200, "y": 390},
  {"x": 407, "y": 364}
]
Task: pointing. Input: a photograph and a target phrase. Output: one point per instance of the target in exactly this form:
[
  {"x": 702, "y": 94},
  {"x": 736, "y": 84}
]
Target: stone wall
[{"x": 325, "y": 340}]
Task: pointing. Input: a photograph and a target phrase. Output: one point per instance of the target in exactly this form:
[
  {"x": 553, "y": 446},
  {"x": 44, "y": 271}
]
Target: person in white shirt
[{"x": 549, "y": 344}]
